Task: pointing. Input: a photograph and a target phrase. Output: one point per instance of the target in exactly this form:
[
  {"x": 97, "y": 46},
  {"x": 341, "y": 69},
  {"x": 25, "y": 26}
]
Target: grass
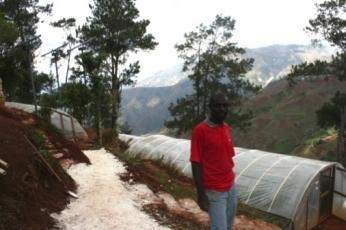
[{"x": 320, "y": 144}]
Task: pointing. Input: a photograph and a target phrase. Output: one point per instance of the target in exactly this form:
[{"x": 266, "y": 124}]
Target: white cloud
[{"x": 258, "y": 23}]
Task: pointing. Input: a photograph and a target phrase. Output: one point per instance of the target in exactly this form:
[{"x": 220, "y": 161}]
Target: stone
[{"x": 58, "y": 155}]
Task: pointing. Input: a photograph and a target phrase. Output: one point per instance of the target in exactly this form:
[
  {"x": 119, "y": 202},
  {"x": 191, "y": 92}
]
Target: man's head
[{"x": 218, "y": 105}]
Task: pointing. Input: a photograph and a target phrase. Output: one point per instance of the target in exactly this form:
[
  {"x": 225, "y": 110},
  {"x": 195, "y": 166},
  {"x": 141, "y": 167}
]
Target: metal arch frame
[
  {"x": 304, "y": 190},
  {"x": 180, "y": 142},
  {"x": 308, "y": 184},
  {"x": 145, "y": 144},
  {"x": 250, "y": 164},
  {"x": 299, "y": 200},
  {"x": 260, "y": 178},
  {"x": 282, "y": 184},
  {"x": 163, "y": 142}
]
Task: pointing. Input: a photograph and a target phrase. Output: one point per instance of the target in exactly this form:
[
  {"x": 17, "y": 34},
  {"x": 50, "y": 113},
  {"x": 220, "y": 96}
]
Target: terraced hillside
[{"x": 285, "y": 119}]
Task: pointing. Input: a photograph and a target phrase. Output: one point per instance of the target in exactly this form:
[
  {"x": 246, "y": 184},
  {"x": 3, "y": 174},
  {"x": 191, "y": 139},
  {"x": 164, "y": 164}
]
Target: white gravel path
[{"x": 104, "y": 202}]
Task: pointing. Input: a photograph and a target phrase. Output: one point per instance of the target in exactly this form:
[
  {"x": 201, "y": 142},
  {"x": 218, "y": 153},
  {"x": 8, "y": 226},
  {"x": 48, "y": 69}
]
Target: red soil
[{"x": 35, "y": 184}]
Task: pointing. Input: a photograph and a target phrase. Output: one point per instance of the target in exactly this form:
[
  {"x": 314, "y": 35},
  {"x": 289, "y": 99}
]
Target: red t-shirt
[{"x": 212, "y": 148}]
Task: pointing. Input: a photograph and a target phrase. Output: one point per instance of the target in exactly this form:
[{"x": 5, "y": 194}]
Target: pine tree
[
  {"x": 66, "y": 24},
  {"x": 213, "y": 62},
  {"x": 330, "y": 24},
  {"x": 114, "y": 31},
  {"x": 24, "y": 15}
]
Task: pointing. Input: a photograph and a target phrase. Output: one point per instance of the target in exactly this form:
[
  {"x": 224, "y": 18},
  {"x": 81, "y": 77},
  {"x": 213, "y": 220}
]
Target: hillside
[
  {"x": 285, "y": 119},
  {"x": 145, "y": 109},
  {"x": 35, "y": 183}
]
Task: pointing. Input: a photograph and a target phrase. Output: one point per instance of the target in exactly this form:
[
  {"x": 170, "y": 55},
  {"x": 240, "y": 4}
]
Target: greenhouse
[
  {"x": 301, "y": 190},
  {"x": 68, "y": 125}
]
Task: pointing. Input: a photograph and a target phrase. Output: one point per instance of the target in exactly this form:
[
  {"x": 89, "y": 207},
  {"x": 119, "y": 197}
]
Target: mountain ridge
[
  {"x": 146, "y": 108},
  {"x": 270, "y": 63}
]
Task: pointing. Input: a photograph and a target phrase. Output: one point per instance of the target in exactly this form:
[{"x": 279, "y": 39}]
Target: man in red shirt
[{"x": 212, "y": 163}]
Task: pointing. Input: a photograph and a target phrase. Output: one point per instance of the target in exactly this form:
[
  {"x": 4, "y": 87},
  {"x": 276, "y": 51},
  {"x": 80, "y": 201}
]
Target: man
[{"x": 211, "y": 156}]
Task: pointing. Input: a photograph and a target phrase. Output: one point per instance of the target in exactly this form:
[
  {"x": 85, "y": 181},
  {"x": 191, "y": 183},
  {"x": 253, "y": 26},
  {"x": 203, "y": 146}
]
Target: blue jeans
[{"x": 222, "y": 208}]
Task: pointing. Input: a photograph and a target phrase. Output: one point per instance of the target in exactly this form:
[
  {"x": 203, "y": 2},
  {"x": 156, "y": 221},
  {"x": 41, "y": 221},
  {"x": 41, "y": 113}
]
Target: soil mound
[{"x": 35, "y": 183}]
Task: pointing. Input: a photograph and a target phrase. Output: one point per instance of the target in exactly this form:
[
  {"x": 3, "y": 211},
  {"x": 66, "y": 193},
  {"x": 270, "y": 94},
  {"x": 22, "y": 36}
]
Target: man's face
[{"x": 219, "y": 109}]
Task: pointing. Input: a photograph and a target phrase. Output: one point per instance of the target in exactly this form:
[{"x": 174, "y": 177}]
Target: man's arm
[{"x": 202, "y": 198}]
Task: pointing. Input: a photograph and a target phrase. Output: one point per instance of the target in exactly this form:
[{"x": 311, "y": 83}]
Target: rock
[
  {"x": 29, "y": 121},
  {"x": 3, "y": 163},
  {"x": 2, "y": 171},
  {"x": 58, "y": 155},
  {"x": 66, "y": 163},
  {"x": 143, "y": 194},
  {"x": 185, "y": 207},
  {"x": 198, "y": 215}
]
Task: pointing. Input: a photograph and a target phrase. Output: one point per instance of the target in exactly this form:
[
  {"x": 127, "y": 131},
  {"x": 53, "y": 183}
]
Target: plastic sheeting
[
  {"x": 69, "y": 126},
  {"x": 339, "y": 200},
  {"x": 283, "y": 185}
]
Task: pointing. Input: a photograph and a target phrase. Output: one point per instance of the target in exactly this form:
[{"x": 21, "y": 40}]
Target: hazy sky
[{"x": 258, "y": 23}]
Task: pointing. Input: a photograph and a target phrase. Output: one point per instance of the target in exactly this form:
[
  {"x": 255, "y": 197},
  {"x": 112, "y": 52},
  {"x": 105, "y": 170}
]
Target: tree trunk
[
  {"x": 340, "y": 151},
  {"x": 99, "y": 122},
  {"x": 57, "y": 73},
  {"x": 114, "y": 99},
  {"x": 68, "y": 63},
  {"x": 98, "y": 117}
]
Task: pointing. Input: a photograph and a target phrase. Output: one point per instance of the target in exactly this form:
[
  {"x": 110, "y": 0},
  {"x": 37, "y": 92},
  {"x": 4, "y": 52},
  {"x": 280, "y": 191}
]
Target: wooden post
[
  {"x": 2, "y": 95},
  {"x": 73, "y": 131},
  {"x": 62, "y": 123}
]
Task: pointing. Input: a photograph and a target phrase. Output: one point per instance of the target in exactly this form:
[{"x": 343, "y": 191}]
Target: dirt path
[{"x": 105, "y": 202}]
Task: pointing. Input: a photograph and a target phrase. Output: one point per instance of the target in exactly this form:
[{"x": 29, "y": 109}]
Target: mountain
[
  {"x": 162, "y": 78},
  {"x": 271, "y": 63},
  {"x": 145, "y": 108}
]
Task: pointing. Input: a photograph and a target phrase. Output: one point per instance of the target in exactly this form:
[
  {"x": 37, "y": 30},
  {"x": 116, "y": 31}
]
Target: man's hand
[
  {"x": 203, "y": 202},
  {"x": 202, "y": 197}
]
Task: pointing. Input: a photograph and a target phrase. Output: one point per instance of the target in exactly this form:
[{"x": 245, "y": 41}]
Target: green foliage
[
  {"x": 67, "y": 24},
  {"x": 38, "y": 138},
  {"x": 213, "y": 62},
  {"x": 181, "y": 113},
  {"x": 50, "y": 100},
  {"x": 22, "y": 17},
  {"x": 338, "y": 65},
  {"x": 330, "y": 22},
  {"x": 44, "y": 113},
  {"x": 125, "y": 128},
  {"x": 307, "y": 69},
  {"x": 8, "y": 34},
  {"x": 330, "y": 114},
  {"x": 43, "y": 82},
  {"x": 75, "y": 97},
  {"x": 122, "y": 33},
  {"x": 98, "y": 83}
]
